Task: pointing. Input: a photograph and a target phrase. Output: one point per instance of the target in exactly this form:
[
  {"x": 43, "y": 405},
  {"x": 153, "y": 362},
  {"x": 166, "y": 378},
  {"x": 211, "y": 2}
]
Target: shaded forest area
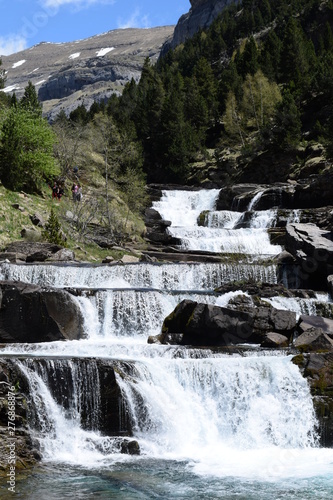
[{"x": 260, "y": 78}]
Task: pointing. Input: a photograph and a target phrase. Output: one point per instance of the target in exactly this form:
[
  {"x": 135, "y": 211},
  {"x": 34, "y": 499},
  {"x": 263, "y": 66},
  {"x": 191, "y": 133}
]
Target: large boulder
[
  {"x": 157, "y": 229},
  {"x": 306, "y": 322},
  {"x": 198, "y": 324},
  {"x": 33, "y": 251},
  {"x": 313, "y": 249},
  {"x": 275, "y": 340},
  {"x": 30, "y": 313},
  {"x": 314, "y": 339}
]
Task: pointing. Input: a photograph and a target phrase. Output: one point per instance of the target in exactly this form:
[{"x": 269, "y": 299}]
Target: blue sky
[{"x": 27, "y": 22}]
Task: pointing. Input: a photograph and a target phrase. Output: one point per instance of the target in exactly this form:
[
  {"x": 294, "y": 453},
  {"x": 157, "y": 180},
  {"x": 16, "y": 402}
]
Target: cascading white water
[
  {"x": 183, "y": 276},
  {"x": 222, "y": 219},
  {"x": 190, "y": 409},
  {"x": 254, "y": 201},
  {"x": 248, "y": 417},
  {"x": 238, "y": 402},
  {"x": 184, "y": 209},
  {"x": 58, "y": 424},
  {"x": 299, "y": 305}
]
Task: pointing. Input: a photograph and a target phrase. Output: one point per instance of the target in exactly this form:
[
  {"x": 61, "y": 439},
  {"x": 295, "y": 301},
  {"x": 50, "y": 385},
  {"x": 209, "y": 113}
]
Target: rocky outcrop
[
  {"x": 312, "y": 340},
  {"x": 317, "y": 368},
  {"x": 157, "y": 229},
  {"x": 30, "y": 313},
  {"x": 27, "y": 251},
  {"x": 313, "y": 249},
  {"x": 240, "y": 197},
  {"x": 15, "y": 437},
  {"x": 201, "y": 15},
  {"x": 198, "y": 324},
  {"x": 315, "y": 191}
]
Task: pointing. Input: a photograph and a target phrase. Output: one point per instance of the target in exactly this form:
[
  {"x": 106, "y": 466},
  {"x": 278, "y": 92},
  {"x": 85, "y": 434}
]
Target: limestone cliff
[
  {"x": 201, "y": 15},
  {"x": 68, "y": 74}
]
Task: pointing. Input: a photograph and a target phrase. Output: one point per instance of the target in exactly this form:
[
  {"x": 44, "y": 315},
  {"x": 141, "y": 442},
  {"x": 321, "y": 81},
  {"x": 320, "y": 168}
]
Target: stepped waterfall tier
[{"x": 116, "y": 417}]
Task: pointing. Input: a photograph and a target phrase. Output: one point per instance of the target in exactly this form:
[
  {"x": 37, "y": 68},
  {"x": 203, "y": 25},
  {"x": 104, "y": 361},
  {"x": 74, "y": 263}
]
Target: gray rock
[
  {"x": 313, "y": 249},
  {"x": 12, "y": 256},
  {"x": 30, "y": 234},
  {"x": 63, "y": 255},
  {"x": 129, "y": 259},
  {"x": 201, "y": 15},
  {"x": 313, "y": 339},
  {"x": 37, "y": 220},
  {"x": 275, "y": 340},
  {"x": 198, "y": 324},
  {"x": 30, "y": 313},
  {"x": 325, "y": 324},
  {"x": 34, "y": 251}
]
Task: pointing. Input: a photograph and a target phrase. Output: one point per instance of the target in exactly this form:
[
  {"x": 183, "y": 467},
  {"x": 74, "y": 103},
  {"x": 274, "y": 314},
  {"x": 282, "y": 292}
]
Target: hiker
[
  {"x": 79, "y": 193},
  {"x": 55, "y": 190},
  {"x": 74, "y": 191},
  {"x": 60, "y": 192}
]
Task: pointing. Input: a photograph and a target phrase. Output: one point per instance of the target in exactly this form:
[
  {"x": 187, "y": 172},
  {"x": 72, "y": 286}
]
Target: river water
[{"x": 209, "y": 425}]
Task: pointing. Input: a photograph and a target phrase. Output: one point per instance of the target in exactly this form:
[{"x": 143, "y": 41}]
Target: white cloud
[
  {"x": 135, "y": 21},
  {"x": 11, "y": 44},
  {"x": 74, "y": 3}
]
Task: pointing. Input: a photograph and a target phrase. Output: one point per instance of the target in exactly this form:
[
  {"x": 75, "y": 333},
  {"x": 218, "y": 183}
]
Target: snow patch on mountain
[
  {"x": 102, "y": 52},
  {"x": 18, "y": 63}
]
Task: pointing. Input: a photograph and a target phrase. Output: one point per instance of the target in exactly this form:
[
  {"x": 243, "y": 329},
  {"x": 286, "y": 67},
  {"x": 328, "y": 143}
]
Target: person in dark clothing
[
  {"x": 60, "y": 192},
  {"x": 74, "y": 191},
  {"x": 55, "y": 190}
]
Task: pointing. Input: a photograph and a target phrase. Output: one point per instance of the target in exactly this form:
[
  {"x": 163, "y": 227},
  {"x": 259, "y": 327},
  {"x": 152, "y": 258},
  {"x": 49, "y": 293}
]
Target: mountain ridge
[{"x": 70, "y": 73}]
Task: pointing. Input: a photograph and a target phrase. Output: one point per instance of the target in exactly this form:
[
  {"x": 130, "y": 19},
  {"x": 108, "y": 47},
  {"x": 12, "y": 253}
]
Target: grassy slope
[{"x": 13, "y": 220}]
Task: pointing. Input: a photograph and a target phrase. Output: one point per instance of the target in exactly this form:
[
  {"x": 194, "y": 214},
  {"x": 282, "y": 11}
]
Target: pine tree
[
  {"x": 30, "y": 101},
  {"x": 298, "y": 60},
  {"x": 287, "y": 130},
  {"x": 248, "y": 60},
  {"x": 52, "y": 231}
]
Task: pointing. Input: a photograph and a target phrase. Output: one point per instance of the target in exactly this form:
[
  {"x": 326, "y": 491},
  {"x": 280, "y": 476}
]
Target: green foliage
[
  {"x": 287, "y": 130},
  {"x": 26, "y": 151},
  {"x": 230, "y": 75},
  {"x": 254, "y": 110},
  {"x": 30, "y": 102},
  {"x": 52, "y": 231}
]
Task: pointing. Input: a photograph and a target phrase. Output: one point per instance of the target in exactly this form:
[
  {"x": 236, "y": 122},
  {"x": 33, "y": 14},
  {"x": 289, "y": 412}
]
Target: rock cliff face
[
  {"x": 68, "y": 74},
  {"x": 201, "y": 15}
]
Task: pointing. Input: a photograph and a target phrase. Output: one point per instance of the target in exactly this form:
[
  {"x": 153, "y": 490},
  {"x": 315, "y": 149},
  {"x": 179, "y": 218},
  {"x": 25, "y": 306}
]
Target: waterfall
[
  {"x": 178, "y": 408},
  {"x": 254, "y": 201},
  {"x": 200, "y": 412},
  {"x": 243, "y": 403},
  {"x": 184, "y": 209},
  {"x": 182, "y": 276},
  {"x": 64, "y": 407}
]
